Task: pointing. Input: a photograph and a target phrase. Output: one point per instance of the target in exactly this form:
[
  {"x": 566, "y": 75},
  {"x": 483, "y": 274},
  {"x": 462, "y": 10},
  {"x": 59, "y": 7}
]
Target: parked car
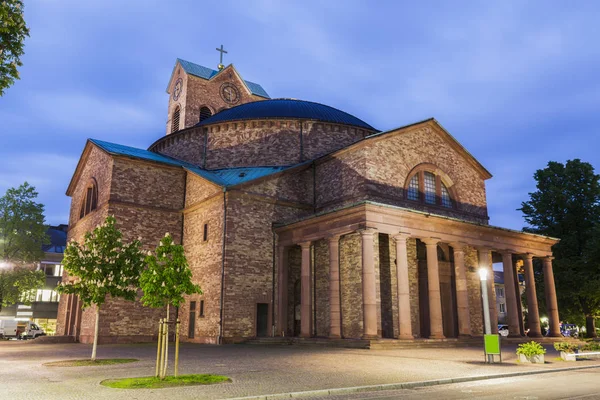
[
  {"x": 11, "y": 329},
  {"x": 503, "y": 330},
  {"x": 569, "y": 330}
]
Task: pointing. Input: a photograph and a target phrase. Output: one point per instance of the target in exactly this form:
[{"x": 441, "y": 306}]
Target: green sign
[{"x": 491, "y": 344}]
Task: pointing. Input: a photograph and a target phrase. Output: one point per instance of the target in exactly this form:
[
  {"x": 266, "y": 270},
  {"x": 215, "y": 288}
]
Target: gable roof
[
  {"x": 208, "y": 73},
  {"x": 225, "y": 177},
  {"x": 445, "y": 135}
]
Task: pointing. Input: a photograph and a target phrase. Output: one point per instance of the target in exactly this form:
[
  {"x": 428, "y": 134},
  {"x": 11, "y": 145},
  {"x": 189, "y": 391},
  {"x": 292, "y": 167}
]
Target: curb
[{"x": 405, "y": 385}]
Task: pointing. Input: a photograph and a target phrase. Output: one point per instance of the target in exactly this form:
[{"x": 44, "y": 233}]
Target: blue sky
[{"x": 517, "y": 84}]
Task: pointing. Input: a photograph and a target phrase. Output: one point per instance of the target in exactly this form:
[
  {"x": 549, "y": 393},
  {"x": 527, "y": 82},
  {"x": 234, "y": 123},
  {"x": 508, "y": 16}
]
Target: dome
[{"x": 286, "y": 109}]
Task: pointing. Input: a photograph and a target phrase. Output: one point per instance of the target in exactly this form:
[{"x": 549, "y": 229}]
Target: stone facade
[{"x": 259, "y": 239}]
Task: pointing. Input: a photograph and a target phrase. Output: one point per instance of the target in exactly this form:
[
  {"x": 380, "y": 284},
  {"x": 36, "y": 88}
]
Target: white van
[{"x": 19, "y": 329}]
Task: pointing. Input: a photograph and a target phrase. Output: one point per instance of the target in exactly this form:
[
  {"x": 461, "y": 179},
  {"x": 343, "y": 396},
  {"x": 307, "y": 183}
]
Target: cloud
[{"x": 78, "y": 112}]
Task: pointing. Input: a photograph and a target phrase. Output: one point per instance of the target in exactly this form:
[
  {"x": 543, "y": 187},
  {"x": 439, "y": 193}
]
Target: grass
[
  {"x": 90, "y": 363},
  {"x": 150, "y": 382}
]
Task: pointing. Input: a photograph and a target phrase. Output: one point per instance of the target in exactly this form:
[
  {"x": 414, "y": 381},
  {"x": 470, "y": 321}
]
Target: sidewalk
[{"x": 255, "y": 370}]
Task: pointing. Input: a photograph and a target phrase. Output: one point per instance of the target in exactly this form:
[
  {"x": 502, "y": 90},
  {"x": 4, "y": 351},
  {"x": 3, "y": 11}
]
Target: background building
[{"x": 44, "y": 302}]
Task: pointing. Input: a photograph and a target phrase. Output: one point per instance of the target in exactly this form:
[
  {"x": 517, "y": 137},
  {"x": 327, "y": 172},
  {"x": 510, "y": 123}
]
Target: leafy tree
[
  {"x": 13, "y": 31},
  {"x": 22, "y": 229},
  {"x": 566, "y": 205},
  {"x": 15, "y": 283},
  {"x": 164, "y": 282},
  {"x": 103, "y": 265}
]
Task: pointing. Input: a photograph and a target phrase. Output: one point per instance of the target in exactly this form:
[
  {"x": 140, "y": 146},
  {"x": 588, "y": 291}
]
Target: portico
[{"x": 415, "y": 274}]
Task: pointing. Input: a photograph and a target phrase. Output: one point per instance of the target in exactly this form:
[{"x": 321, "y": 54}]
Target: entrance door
[{"x": 262, "y": 319}]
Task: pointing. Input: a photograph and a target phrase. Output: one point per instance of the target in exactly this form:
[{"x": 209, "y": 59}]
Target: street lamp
[{"x": 486, "y": 306}]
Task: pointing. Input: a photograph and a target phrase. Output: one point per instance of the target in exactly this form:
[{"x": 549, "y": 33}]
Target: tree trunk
[
  {"x": 96, "y": 334},
  {"x": 590, "y": 326},
  {"x": 166, "y": 344}
]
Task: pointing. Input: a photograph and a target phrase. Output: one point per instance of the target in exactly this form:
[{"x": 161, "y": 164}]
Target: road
[{"x": 582, "y": 384}]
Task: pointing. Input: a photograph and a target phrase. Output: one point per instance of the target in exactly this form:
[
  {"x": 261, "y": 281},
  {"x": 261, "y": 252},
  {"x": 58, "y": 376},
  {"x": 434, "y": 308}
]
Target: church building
[{"x": 301, "y": 220}]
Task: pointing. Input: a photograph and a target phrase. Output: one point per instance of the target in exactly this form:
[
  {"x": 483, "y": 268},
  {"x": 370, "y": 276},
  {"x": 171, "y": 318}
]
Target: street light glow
[{"x": 483, "y": 274}]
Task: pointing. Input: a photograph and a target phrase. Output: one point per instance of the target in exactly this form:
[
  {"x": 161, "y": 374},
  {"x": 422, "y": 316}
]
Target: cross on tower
[{"x": 221, "y": 66}]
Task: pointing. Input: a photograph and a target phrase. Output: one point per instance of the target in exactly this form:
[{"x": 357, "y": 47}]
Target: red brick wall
[
  {"x": 204, "y": 257},
  {"x": 378, "y": 168}
]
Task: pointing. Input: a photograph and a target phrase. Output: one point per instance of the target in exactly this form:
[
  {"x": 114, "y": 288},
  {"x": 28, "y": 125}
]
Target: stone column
[
  {"x": 369, "y": 287},
  {"x": 512, "y": 309},
  {"x": 551, "y": 303},
  {"x": 533, "y": 316},
  {"x": 404, "y": 320},
  {"x": 436, "y": 324},
  {"x": 305, "y": 292},
  {"x": 462, "y": 294},
  {"x": 335, "y": 317},
  {"x": 486, "y": 262},
  {"x": 282, "y": 288}
]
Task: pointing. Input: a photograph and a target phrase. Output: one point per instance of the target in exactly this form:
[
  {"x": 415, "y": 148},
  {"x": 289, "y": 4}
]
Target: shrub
[
  {"x": 531, "y": 349},
  {"x": 591, "y": 347},
  {"x": 566, "y": 347}
]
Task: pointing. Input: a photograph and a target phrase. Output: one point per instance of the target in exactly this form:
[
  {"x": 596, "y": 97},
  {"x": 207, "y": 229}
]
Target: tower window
[
  {"x": 205, "y": 234},
  {"x": 175, "y": 120},
  {"x": 201, "y": 309},
  {"x": 90, "y": 202},
  {"x": 205, "y": 113}
]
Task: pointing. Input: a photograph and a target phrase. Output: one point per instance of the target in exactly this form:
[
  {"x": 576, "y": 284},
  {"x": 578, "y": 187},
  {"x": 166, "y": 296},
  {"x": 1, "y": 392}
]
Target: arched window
[
  {"x": 175, "y": 120},
  {"x": 205, "y": 113},
  {"x": 90, "y": 201},
  {"x": 427, "y": 187}
]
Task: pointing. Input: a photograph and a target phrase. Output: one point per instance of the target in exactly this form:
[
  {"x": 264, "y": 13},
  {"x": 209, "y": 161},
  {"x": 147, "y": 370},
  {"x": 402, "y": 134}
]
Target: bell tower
[{"x": 196, "y": 93}]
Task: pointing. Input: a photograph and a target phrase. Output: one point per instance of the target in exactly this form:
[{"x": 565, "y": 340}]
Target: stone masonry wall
[
  {"x": 474, "y": 291},
  {"x": 413, "y": 278},
  {"x": 322, "y": 138},
  {"x": 205, "y": 260},
  {"x": 98, "y": 167},
  {"x": 186, "y": 145},
  {"x": 321, "y": 271},
  {"x": 346, "y": 173},
  {"x": 294, "y": 266},
  {"x": 249, "y": 261},
  {"x": 390, "y": 160},
  {"x": 198, "y": 92},
  {"x": 351, "y": 286}
]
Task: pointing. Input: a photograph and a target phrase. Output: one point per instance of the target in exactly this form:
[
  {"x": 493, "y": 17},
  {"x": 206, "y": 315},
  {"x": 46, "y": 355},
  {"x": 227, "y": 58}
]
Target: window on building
[
  {"x": 90, "y": 201},
  {"x": 205, "y": 234},
  {"x": 205, "y": 113},
  {"x": 47, "y": 295},
  {"x": 499, "y": 292},
  {"x": 175, "y": 119},
  {"x": 413, "y": 188},
  {"x": 201, "y": 313},
  {"x": 502, "y": 308},
  {"x": 52, "y": 269},
  {"x": 192, "y": 320},
  {"x": 427, "y": 187}
]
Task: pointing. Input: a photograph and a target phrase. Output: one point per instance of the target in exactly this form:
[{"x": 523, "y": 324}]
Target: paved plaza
[{"x": 255, "y": 370}]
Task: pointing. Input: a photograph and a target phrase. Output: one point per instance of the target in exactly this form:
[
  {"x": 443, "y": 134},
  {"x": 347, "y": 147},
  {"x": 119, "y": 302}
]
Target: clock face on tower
[
  {"x": 177, "y": 89},
  {"x": 230, "y": 93}
]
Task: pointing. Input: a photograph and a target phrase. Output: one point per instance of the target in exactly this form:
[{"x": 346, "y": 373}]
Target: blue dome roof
[{"x": 286, "y": 109}]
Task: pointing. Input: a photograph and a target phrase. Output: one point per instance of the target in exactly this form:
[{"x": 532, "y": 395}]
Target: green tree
[
  {"x": 566, "y": 205},
  {"x": 13, "y": 31},
  {"x": 17, "y": 282},
  {"x": 164, "y": 282},
  {"x": 103, "y": 265},
  {"x": 22, "y": 229}
]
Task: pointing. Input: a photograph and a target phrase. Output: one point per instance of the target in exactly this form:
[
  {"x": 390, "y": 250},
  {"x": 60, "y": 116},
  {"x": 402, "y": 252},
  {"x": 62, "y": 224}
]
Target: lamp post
[{"x": 486, "y": 307}]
